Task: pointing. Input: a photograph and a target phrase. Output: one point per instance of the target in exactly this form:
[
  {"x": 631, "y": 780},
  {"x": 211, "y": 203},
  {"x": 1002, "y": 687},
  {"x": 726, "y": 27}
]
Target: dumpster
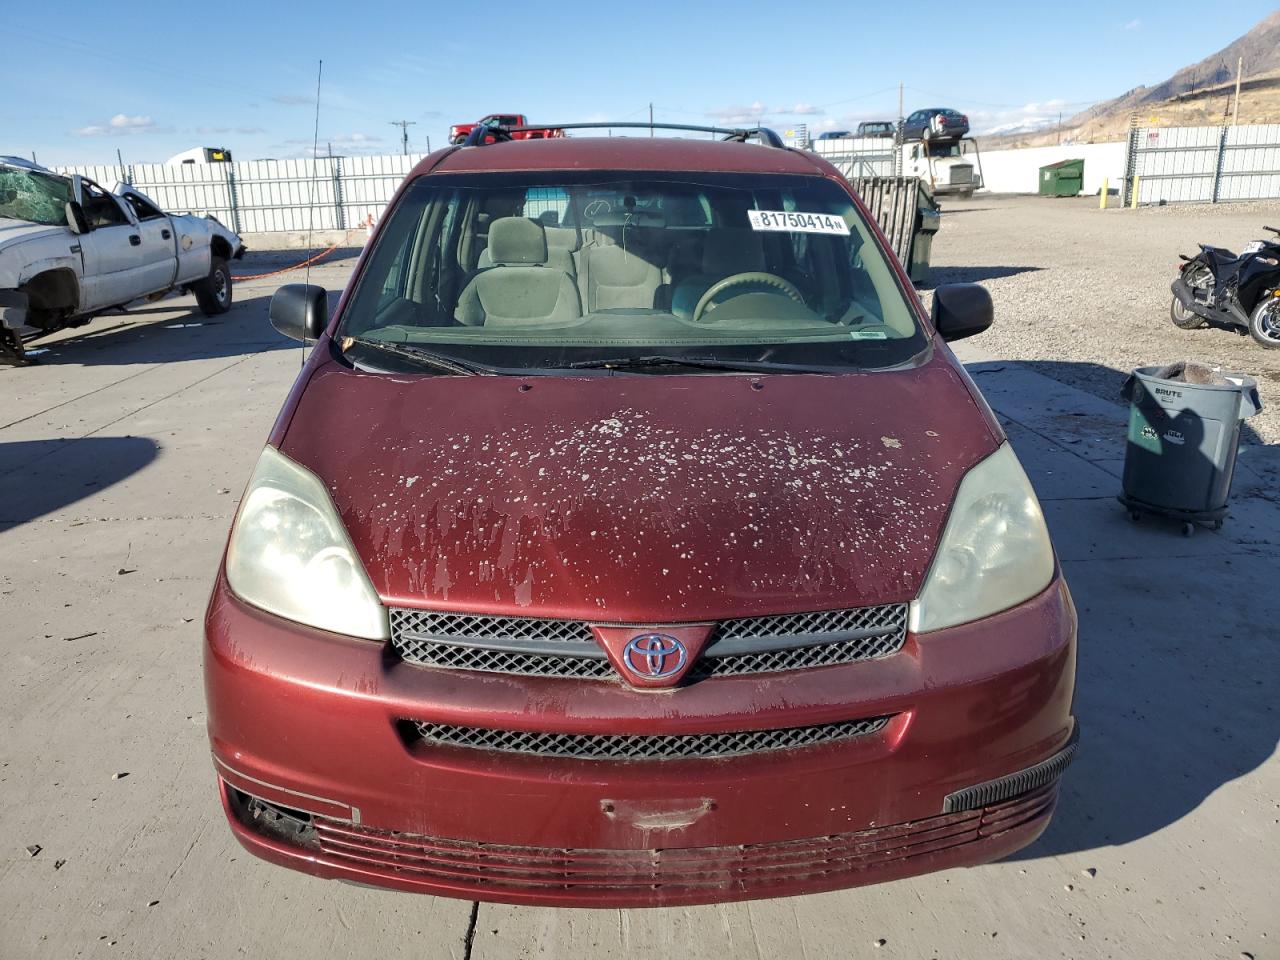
[
  {"x": 928, "y": 220},
  {"x": 1184, "y": 431},
  {"x": 1062, "y": 179}
]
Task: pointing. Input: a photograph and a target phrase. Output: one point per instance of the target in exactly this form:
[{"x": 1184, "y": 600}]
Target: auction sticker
[{"x": 797, "y": 222}]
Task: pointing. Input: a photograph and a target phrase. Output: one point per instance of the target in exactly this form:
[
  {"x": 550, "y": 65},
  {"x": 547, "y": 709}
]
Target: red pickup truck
[{"x": 458, "y": 132}]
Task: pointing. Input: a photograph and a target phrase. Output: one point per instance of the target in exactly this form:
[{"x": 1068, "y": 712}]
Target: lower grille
[
  {"x": 961, "y": 175},
  {"x": 586, "y": 746},
  {"x": 541, "y": 647},
  {"x": 674, "y": 874}
]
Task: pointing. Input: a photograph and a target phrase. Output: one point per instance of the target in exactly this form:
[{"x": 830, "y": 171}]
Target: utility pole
[
  {"x": 1059, "y": 128},
  {"x": 899, "y": 100},
  {"x": 404, "y": 126},
  {"x": 1235, "y": 112}
]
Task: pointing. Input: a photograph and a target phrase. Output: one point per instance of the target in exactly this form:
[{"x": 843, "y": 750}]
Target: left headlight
[
  {"x": 290, "y": 554},
  {"x": 994, "y": 553}
]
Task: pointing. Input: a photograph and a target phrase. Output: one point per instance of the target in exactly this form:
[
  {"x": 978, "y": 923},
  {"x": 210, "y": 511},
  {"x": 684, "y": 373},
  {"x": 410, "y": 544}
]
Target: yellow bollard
[
  {"x": 1102, "y": 196},
  {"x": 1133, "y": 197}
]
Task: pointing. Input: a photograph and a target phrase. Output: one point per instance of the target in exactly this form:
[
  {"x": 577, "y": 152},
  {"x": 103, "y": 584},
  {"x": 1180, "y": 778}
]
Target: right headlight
[
  {"x": 994, "y": 553},
  {"x": 290, "y": 554}
]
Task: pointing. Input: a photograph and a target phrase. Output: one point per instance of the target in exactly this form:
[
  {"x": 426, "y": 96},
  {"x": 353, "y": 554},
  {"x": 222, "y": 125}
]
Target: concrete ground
[{"x": 121, "y": 459}]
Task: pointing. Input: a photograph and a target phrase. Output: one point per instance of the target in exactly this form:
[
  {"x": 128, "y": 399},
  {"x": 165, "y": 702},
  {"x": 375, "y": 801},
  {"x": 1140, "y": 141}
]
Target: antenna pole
[
  {"x": 315, "y": 163},
  {"x": 651, "y": 120},
  {"x": 404, "y": 126}
]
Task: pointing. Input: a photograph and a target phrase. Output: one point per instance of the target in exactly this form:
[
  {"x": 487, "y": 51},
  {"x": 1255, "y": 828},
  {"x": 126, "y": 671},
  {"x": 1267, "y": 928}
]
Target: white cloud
[
  {"x": 119, "y": 125},
  {"x": 734, "y": 115},
  {"x": 758, "y": 113},
  {"x": 1133, "y": 25},
  {"x": 1029, "y": 116}
]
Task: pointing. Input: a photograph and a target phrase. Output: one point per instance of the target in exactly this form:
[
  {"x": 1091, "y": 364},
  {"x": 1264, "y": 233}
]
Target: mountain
[{"x": 1199, "y": 94}]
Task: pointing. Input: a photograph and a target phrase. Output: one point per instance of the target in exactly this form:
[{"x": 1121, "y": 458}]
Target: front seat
[
  {"x": 520, "y": 287},
  {"x": 725, "y": 251}
]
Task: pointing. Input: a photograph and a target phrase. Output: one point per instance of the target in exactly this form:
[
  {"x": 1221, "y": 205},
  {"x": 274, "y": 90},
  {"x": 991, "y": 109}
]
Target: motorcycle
[{"x": 1241, "y": 292}]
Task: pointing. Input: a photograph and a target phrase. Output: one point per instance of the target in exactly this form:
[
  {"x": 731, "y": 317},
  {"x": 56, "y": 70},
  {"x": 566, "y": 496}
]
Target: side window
[
  {"x": 141, "y": 209},
  {"x": 100, "y": 208}
]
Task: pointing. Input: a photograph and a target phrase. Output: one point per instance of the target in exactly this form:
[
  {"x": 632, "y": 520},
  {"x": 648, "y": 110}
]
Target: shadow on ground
[
  {"x": 1105, "y": 383},
  {"x": 67, "y": 471},
  {"x": 136, "y": 338},
  {"x": 1177, "y": 674},
  {"x": 941, "y": 275}
]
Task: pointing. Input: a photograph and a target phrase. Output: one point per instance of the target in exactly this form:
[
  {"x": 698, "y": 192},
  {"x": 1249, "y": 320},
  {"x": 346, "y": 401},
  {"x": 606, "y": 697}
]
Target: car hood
[
  {"x": 12, "y": 231},
  {"x": 642, "y": 498}
]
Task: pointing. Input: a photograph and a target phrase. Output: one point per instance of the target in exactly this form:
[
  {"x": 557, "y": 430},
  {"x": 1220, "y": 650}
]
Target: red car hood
[{"x": 646, "y": 499}]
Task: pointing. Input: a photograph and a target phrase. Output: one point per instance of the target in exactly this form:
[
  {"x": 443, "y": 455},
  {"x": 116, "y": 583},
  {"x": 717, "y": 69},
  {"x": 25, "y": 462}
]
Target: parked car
[
  {"x": 70, "y": 250},
  {"x": 834, "y": 135},
  {"x": 935, "y": 123},
  {"x": 877, "y": 129},
  {"x": 669, "y": 558},
  {"x": 459, "y": 131}
]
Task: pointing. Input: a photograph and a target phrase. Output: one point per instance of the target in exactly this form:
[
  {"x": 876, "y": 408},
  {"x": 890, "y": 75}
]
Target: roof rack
[{"x": 478, "y": 136}]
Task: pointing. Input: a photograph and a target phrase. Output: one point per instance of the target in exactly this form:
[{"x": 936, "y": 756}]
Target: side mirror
[
  {"x": 300, "y": 311},
  {"x": 76, "y": 219},
  {"x": 961, "y": 310}
]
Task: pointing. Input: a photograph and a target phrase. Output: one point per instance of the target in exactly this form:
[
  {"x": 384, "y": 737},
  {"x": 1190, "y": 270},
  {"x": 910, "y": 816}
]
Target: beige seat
[
  {"x": 520, "y": 287},
  {"x": 617, "y": 272},
  {"x": 561, "y": 246}
]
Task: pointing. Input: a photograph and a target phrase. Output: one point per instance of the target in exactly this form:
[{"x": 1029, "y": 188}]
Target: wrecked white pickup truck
[{"x": 70, "y": 250}]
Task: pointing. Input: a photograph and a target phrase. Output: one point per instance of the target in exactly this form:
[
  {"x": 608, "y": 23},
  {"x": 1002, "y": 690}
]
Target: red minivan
[{"x": 632, "y": 537}]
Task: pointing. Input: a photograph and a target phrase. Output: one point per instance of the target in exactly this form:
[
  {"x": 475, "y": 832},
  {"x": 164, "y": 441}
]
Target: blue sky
[{"x": 160, "y": 78}]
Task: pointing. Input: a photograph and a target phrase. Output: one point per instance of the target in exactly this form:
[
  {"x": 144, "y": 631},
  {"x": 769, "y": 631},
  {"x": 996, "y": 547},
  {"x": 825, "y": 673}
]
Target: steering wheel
[
  {"x": 597, "y": 207},
  {"x": 752, "y": 278}
]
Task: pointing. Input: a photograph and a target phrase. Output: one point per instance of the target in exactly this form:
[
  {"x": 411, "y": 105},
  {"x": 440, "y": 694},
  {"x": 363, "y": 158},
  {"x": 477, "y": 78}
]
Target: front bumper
[{"x": 314, "y": 723}]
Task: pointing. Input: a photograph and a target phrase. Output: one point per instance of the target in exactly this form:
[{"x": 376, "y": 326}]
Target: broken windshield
[{"x": 31, "y": 195}]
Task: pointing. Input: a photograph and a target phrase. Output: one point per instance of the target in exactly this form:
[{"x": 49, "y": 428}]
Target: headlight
[
  {"x": 995, "y": 550},
  {"x": 289, "y": 554}
]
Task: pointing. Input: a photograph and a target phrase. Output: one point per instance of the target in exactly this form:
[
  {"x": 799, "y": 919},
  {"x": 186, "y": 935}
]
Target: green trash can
[
  {"x": 1184, "y": 431},
  {"x": 928, "y": 220},
  {"x": 1062, "y": 179}
]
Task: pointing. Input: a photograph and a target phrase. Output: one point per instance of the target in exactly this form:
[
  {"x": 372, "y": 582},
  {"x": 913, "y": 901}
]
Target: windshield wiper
[
  {"x": 707, "y": 363},
  {"x": 426, "y": 357}
]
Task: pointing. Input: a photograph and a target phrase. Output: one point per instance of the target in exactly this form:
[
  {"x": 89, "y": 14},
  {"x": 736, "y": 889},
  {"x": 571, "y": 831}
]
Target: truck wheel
[
  {"x": 460, "y": 139},
  {"x": 213, "y": 293},
  {"x": 1264, "y": 323}
]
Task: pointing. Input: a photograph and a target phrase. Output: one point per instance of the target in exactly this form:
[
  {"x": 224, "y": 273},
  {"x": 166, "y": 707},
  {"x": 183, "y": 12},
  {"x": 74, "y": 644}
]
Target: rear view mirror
[
  {"x": 300, "y": 311},
  {"x": 76, "y": 219},
  {"x": 961, "y": 310}
]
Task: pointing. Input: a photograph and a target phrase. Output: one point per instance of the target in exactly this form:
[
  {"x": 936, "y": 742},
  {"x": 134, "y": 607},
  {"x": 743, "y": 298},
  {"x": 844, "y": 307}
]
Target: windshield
[
  {"x": 31, "y": 195},
  {"x": 531, "y": 271}
]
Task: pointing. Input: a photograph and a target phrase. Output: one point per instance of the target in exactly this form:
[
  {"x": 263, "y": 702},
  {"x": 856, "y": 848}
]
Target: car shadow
[
  {"x": 68, "y": 470},
  {"x": 1175, "y": 689},
  {"x": 941, "y": 275},
  {"x": 138, "y": 337}
]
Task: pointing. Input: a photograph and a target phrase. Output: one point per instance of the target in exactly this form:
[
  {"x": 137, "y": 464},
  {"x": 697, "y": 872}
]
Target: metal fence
[
  {"x": 1202, "y": 164},
  {"x": 861, "y": 156},
  {"x": 333, "y": 193}
]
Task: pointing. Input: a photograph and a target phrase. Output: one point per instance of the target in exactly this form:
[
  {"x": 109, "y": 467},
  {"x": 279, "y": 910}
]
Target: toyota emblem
[{"x": 654, "y": 656}]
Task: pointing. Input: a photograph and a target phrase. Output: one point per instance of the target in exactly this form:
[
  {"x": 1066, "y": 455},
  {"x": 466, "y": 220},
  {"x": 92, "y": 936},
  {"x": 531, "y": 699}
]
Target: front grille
[
  {"x": 534, "y": 646},
  {"x": 961, "y": 174},
  {"x": 590, "y": 746},
  {"x": 672, "y": 875}
]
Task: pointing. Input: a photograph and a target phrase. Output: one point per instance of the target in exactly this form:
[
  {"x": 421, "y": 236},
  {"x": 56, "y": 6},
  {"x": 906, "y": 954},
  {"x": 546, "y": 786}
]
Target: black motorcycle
[{"x": 1241, "y": 292}]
